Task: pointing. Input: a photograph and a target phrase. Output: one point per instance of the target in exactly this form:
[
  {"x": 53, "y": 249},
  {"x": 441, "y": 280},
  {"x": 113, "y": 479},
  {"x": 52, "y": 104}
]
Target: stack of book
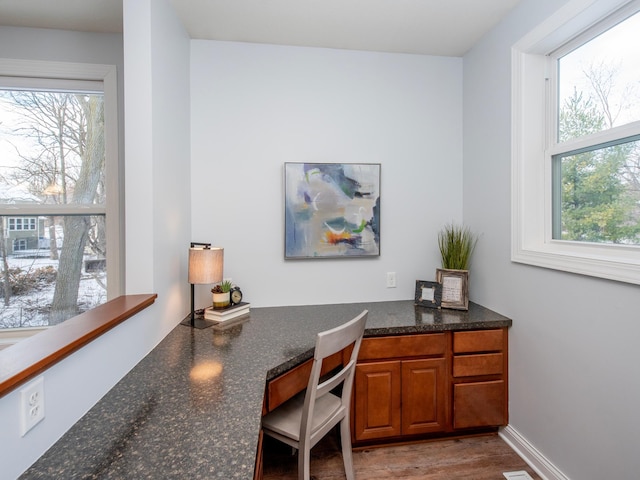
[{"x": 228, "y": 313}]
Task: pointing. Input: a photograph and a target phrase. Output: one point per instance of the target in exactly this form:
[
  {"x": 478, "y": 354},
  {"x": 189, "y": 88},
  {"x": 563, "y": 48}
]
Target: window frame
[
  {"x": 533, "y": 146},
  {"x": 40, "y": 74}
]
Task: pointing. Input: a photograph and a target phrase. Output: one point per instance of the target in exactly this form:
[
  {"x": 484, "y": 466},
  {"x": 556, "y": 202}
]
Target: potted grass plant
[
  {"x": 456, "y": 244},
  {"x": 221, "y": 294}
]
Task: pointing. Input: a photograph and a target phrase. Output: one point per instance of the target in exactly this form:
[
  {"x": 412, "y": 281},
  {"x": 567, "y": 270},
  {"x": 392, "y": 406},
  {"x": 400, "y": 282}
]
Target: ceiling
[{"x": 428, "y": 27}]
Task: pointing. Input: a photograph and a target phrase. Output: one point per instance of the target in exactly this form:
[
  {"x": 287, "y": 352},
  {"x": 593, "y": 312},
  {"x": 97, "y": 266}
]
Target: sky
[{"x": 618, "y": 46}]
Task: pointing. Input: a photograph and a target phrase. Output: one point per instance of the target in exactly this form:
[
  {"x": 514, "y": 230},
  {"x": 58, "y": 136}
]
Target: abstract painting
[{"x": 332, "y": 210}]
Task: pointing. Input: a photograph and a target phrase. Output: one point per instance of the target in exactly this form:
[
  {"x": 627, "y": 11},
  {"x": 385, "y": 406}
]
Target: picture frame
[
  {"x": 332, "y": 210},
  {"x": 455, "y": 288},
  {"x": 428, "y": 294}
]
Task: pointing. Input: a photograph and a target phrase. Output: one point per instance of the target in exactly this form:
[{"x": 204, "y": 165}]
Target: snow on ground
[{"x": 30, "y": 310}]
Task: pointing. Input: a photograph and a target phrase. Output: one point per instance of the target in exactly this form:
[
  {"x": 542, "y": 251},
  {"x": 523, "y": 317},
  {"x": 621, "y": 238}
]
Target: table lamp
[{"x": 205, "y": 267}]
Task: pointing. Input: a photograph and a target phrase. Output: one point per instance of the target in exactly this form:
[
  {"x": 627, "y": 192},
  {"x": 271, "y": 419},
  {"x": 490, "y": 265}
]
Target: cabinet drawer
[
  {"x": 478, "y": 341},
  {"x": 484, "y": 364},
  {"x": 481, "y": 404},
  {"x": 427, "y": 344},
  {"x": 295, "y": 380}
]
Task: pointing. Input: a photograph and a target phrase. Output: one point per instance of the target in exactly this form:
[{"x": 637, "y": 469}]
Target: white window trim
[
  {"x": 107, "y": 76},
  {"x": 531, "y": 241}
]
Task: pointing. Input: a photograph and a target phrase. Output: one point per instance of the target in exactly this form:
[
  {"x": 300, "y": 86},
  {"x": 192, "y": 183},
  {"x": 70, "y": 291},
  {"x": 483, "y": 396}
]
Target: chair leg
[
  {"x": 304, "y": 460},
  {"x": 345, "y": 439}
]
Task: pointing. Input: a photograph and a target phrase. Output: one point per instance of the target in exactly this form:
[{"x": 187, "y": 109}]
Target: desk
[{"x": 192, "y": 407}]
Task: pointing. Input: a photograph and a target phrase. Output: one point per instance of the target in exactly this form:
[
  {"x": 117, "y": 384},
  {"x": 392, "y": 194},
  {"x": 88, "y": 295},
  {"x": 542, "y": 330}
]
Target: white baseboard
[{"x": 533, "y": 457}]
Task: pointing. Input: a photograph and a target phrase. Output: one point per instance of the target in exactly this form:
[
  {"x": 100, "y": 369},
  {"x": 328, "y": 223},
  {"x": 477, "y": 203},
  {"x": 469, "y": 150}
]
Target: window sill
[
  {"x": 612, "y": 262},
  {"x": 25, "y": 360},
  {"x": 12, "y": 336}
]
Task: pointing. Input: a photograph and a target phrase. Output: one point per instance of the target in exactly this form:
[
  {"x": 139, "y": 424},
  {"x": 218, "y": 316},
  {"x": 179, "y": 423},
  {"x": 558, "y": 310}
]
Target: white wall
[
  {"x": 255, "y": 107},
  {"x": 573, "y": 346},
  {"x": 158, "y": 51},
  {"x": 61, "y": 46},
  {"x": 157, "y": 169}
]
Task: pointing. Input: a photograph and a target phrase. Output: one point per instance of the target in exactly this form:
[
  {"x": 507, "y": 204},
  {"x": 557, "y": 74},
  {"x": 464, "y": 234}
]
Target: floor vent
[{"x": 521, "y": 475}]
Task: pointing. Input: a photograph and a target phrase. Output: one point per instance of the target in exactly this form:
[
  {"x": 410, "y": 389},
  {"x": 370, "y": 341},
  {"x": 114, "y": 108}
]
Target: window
[
  {"x": 22, "y": 223},
  {"x": 19, "y": 244},
  {"x": 58, "y": 191},
  {"x": 596, "y": 162},
  {"x": 576, "y": 142}
]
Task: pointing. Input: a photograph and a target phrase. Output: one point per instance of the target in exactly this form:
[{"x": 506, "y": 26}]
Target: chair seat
[{"x": 286, "y": 419}]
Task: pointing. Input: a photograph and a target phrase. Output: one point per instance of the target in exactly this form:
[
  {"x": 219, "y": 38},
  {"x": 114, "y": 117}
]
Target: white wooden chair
[{"x": 303, "y": 420}]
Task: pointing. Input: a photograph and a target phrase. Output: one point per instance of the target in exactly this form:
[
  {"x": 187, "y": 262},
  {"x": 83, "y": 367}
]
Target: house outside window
[
  {"x": 576, "y": 142},
  {"x": 58, "y": 191},
  {"x": 24, "y": 233}
]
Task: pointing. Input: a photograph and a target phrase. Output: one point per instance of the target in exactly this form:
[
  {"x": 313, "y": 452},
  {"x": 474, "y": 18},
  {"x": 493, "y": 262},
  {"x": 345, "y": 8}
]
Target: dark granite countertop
[{"x": 191, "y": 408}]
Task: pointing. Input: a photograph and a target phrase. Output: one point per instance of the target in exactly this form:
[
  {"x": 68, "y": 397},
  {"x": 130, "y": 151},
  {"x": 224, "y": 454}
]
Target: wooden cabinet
[
  {"x": 430, "y": 384},
  {"x": 405, "y": 395},
  {"x": 479, "y": 378},
  {"x": 427, "y": 384}
]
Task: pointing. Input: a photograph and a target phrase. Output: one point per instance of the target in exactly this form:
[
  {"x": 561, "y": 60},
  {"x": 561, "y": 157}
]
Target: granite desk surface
[{"x": 191, "y": 408}]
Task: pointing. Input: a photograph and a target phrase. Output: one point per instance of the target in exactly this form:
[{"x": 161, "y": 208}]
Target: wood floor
[{"x": 478, "y": 458}]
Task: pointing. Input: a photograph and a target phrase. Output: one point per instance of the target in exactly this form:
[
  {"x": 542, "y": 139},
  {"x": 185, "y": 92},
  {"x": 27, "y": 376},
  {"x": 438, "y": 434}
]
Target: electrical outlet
[
  {"x": 391, "y": 279},
  {"x": 32, "y": 405}
]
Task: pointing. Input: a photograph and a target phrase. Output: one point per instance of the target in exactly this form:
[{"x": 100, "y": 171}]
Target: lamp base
[{"x": 199, "y": 323}]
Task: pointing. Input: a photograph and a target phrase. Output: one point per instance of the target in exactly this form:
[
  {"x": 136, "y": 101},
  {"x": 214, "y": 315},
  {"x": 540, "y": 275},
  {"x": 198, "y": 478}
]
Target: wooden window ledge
[{"x": 28, "y": 358}]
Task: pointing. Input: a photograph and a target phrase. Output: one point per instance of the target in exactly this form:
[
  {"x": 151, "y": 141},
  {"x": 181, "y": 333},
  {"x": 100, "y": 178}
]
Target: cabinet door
[
  {"x": 424, "y": 401},
  {"x": 479, "y": 404},
  {"x": 377, "y": 400}
]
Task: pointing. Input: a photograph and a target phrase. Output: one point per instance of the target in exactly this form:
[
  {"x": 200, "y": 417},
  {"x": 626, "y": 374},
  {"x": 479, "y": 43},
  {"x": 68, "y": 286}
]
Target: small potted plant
[
  {"x": 221, "y": 296},
  {"x": 456, "y": 244}
]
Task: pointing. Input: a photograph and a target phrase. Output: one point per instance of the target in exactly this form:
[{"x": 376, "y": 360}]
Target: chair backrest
[{"x": 328, "y": 343}]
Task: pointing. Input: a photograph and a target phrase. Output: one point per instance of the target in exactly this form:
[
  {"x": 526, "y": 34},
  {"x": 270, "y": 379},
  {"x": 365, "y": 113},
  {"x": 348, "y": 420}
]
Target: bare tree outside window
[{"x": 52, "y": 165}]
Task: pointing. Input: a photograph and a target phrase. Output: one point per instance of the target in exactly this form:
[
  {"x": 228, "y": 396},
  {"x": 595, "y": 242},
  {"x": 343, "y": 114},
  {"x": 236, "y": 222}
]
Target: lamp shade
[{"x": 206, "y": 265}]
